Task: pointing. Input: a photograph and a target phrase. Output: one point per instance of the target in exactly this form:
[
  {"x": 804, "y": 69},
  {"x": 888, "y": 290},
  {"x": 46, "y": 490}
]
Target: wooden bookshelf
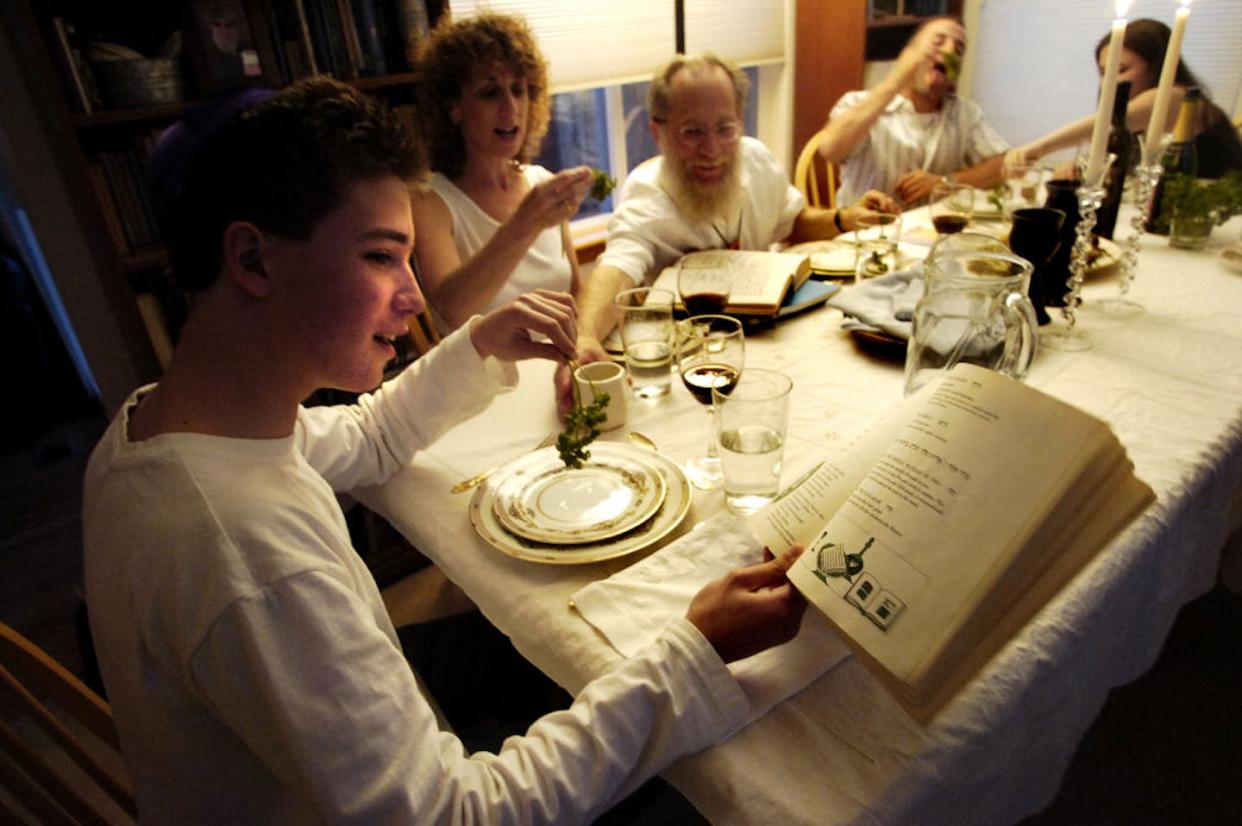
[
  {"x": 279, "y": 41},
  {"x": 888, "y": 35}
]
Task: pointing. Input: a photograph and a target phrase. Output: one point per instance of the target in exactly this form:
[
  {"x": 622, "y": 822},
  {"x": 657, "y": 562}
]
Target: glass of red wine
[
  {"x": 711, "y": 350},
  {"x": 951, "y": 206},
  {"x": 704, "y": 281}
]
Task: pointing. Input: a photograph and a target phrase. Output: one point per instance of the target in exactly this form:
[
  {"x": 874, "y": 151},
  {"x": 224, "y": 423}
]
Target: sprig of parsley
[
  {"x": 952, "y": 65},
  {"x": 581, "y": 426},
  {"x": 602, "y": 185},
  {"x": 996, "y": 197}
]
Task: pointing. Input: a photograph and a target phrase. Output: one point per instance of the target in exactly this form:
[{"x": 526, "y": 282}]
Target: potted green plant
[{"x": 1194, "y": 206}]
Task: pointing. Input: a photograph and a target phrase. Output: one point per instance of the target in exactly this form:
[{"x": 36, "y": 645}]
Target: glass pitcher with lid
[{"x": 974, "y": 309}]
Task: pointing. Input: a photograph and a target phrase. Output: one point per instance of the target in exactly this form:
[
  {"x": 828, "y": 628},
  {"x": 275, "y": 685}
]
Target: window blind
[
  {"x": 589, "y": 43},
  {"x": 746, "y": 32}
]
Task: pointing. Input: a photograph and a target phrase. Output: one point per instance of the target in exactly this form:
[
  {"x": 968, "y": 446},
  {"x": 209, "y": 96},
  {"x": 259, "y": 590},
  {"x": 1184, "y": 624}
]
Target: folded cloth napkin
[
  {"x": 885, "y": 304},
  {"x": 631, "y": 607}
]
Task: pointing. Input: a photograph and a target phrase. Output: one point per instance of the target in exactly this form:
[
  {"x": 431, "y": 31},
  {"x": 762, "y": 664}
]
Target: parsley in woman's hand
[{"x": 602, "y": 185}]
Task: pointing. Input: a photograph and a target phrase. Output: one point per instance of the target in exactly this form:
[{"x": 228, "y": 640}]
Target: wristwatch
[{"x": 836, "y": 220}]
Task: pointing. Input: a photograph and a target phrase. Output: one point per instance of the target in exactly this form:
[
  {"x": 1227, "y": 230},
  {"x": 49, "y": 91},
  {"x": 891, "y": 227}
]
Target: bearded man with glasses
[{"x": 710, "y": 187}]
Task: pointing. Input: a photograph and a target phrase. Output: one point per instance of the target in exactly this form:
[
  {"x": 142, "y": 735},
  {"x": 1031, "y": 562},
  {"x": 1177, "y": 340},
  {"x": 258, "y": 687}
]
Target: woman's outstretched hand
[{"x": 555, "y": 200}]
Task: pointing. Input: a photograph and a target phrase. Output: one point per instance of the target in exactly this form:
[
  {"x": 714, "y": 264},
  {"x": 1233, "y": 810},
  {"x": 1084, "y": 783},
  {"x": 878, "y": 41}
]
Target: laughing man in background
[{"x": 912, "y": 131}]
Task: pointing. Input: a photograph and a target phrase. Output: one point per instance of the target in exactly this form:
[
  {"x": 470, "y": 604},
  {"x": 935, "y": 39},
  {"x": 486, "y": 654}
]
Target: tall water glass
[
  {"x": 752, "y": 420},
  {"x": 646, "y": 322}
]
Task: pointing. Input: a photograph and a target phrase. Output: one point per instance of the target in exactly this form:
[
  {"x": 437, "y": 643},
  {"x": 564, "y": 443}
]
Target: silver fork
[{"x": 478, "y": 478}]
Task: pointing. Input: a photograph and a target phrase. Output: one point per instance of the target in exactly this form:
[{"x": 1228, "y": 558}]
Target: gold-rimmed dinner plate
[
  {"x": 879, "y": 342},
  {"x": 833, "y": 257},
  {"x": 537, "y": 497},
  {"x": 667, "y": 517},
  {"x": 1103, "y": 258}
]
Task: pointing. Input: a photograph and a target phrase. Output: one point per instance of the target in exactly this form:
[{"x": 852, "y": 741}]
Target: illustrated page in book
[{"x": 909, "y": 531}]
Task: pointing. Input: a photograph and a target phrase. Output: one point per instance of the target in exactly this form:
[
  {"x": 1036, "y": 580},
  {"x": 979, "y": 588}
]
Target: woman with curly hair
[{"x": 491, "y": 225}]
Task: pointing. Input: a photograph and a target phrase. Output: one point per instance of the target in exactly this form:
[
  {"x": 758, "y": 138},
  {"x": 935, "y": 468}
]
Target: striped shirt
[{"x": 901, "y": 138}]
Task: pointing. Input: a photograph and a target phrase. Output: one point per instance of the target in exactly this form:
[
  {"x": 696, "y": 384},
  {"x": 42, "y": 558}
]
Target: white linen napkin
[
  {"x": 631, "y": 607},
  {"x": 885, "y": 303}
]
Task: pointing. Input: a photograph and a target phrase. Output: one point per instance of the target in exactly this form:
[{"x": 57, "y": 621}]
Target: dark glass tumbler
[{"x": 1036, "y": 236}]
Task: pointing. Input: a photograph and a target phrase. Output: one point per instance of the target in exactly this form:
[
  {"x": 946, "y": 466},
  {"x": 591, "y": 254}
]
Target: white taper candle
[
  {"x": 1160, "y": 110},
  {"x": 1108, "y": 93}
]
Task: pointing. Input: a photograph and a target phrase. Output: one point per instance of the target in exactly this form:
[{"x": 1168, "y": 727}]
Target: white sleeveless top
[{"x": 544, "y": 264}]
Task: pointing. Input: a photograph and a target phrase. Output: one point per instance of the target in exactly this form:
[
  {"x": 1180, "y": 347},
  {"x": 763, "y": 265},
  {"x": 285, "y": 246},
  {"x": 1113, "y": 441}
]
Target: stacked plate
[
  {"x": 623, "y": 499},
  {"x": 831, "y": 259}
]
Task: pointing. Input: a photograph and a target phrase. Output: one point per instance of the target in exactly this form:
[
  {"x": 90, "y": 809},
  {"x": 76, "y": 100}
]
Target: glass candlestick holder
[
  {"x": 1090, "y": 197},
  {"x": 1147, "y": 175}
]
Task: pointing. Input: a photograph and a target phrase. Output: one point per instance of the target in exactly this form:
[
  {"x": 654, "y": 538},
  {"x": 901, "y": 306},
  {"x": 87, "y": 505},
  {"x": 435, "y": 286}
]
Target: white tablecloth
[{"x": 1170, "y": 383}]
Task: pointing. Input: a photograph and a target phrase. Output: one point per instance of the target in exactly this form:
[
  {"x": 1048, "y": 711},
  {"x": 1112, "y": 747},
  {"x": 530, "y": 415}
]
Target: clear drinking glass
[
  {"x": 1025, "y": 186},
  {"x": 711, "y": 350},
  {"x": 876, "y": 238},
  {"x": 646, "y": 324},
  {"x": 704, "y": 281},
  {"x": 753, "y": 419},
  {"x": 951, "y": 207}
]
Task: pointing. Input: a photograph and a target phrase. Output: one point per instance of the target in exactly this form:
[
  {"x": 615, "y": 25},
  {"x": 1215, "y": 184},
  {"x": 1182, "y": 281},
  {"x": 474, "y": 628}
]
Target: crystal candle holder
[
  {"x": 1072, "y": 339},
  {"x": 1147, "y": 175}
]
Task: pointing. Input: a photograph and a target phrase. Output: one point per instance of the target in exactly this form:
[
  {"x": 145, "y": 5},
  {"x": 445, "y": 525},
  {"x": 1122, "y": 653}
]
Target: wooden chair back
[
  {"x": 423, "y": 332},
  {"x": 59, "y": 755},
  {"x": 814, "y": 177}
]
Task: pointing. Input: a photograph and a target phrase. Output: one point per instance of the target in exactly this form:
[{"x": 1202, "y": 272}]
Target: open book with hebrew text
[
  {"x": 761, "y": 280},
  {"x": 938, "y": 534}
]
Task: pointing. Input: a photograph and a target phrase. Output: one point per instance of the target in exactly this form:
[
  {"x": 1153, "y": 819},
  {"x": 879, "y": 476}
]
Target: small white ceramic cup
[{"x": 604, "y": 377}]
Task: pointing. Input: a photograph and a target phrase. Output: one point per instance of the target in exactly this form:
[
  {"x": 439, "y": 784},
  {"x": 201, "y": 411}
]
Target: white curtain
[
  {"x": 746, "y": 32},
  {"x": 592, "y": 43},
  {"x": 1035, "y": 61}
]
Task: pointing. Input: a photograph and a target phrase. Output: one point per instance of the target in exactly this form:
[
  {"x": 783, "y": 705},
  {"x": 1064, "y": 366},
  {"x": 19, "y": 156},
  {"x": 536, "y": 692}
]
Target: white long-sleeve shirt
[
  {"x": 255, "y": 676},
  {"x": 903, "y": 140},
  {"x": 648, "y": 232}
]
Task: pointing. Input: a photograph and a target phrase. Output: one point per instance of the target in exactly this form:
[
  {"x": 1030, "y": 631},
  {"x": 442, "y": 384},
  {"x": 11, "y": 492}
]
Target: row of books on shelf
[
  {"x": 119, "y": 179},
  {"x": 346, "y": 38},
  {"x": 275, "y": 43}
]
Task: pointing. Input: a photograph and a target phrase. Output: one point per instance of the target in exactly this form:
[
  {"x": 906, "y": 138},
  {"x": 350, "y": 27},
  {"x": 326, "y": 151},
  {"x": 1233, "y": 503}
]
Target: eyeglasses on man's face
[{"x": 693, "y": 134}]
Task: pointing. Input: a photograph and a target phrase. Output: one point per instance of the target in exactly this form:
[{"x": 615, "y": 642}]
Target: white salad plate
[
  {"x": 538, "y": 497},
  {"x": 667, "y": 515}
]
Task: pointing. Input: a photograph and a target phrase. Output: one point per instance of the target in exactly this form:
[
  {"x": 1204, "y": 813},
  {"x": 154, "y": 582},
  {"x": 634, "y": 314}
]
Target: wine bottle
[
  {"x": 1179, "y": 158},
  {"x": 1119, "y": 143}
]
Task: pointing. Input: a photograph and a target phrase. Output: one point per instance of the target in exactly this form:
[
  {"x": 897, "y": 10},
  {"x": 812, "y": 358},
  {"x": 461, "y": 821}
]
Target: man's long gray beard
[{"x": 717, "y": 205}]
